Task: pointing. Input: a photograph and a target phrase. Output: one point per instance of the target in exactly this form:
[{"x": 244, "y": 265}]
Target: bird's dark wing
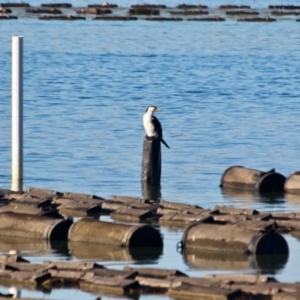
[
  {"x": 162, "y": 140},
  {"x": 157, "y": 126},
  {"x": 158, "y": 129}
]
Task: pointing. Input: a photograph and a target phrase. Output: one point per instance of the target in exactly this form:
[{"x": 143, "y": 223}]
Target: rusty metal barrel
[
  {"x": 238, "y": 177},
  {"x": 292, "y": 184},
  {"x": 233, "y": 238},
  {"x": 33, "y": 226},
  {"x": 94, "y": 231}
]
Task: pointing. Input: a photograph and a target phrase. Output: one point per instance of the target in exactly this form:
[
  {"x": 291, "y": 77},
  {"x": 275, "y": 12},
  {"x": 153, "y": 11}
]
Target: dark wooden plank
[
  {"x": 67, "y": 201},
  {"x": 12, "y": 258},
  {"x": 132, "y": 214},
  {"x": 28, "y": 199},
  {"x": 155, "y": 272},
  {"x": 199, "y": 211},
  {"x": 25, "y": 266},
  {"x": 168, "y": 217},
  {"x": 126, "y": 199},
  {"x": 121, "y": 274},
  {"x": 79, "y": 209},
  {"x": 180, "y": 220},
  {"x": 109, "y": 285},
  {"x": 70, "y": 265},
  {"x": 289, "y": 224},
  {"x": 71, "y": 195},
  {"x": 258, "y": 225},
  {"x": 42, "y": 193},
  {"x": 284, "y": 216},
  {"x": 287, "y": 296},
  {"x": 178, "y": 206},
  {"x": 240, "y": 278},
  {"x": 24, "y": 277},
  {"x": 164, "y": 211},
  {"x": 235, "y": 211},
  {"x": 204, "y": 282},
  {"x": 110, "y": 206},
  {"x": 229, "y": 218},
  {"x": 256, "y": 289},
  {"x": 207, "y": 293},
  {"x": 156, "y": 283}
]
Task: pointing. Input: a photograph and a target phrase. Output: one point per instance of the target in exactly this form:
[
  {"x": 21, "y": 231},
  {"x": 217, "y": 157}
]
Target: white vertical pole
[{"x": 17, "y": 113}]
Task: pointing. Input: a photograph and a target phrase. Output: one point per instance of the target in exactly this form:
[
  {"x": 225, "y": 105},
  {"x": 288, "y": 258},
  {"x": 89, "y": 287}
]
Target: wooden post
[
  {"x": 150, "y": 191},
  {"x": 151, "y": 165}
]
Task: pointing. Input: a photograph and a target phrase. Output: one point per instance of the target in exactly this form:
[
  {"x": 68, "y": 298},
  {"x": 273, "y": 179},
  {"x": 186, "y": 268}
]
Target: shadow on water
[
  {"x": 253, "y": 196},
  {"x": 217, "y": 260}
]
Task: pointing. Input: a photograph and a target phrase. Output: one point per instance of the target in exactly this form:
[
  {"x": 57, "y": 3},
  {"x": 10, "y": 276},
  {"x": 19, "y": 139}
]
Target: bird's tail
[{"x": 162, "y": 140}]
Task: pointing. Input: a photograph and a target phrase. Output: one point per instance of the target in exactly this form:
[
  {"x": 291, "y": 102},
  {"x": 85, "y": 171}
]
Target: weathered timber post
[
  {"x": 151, "y": 166},
  {"x": 151, "y": 192}
]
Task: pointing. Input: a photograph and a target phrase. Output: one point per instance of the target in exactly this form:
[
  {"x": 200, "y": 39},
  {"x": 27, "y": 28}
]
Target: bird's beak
[{"x": 157, "y": 109}]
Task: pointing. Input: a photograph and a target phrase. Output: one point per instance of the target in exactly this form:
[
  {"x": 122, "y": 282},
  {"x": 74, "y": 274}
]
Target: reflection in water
[
  {"x": 214, "y": 260},
  {"x": 36, "y": 247},
  {"x": 14, "y": 292},
  {"x": 17, "y": 245},
  {"x": 273, "y": 198},
  {"x": 114, "y": 253},
  {"x": 151, "y": 192},
  {"x": 60, "y": 247},
  {"x": 296, "y": 234},
  {"x": 292, "y": 198},
  {"x": 268, "y": 264},
  {"x": 252, "y": 196},
  {"x": 217, "y": 260},
  {"x": 146, "y": 255}
]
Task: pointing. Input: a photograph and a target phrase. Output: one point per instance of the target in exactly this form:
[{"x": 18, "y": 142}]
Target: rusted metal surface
[
  {"x": 238, "y": 177},
  {"x": 114, "y": 234},
  {"x": 40, "y": 227},
  {"x": 243, "y": 236},
  {"x": 292, "y": 184}
]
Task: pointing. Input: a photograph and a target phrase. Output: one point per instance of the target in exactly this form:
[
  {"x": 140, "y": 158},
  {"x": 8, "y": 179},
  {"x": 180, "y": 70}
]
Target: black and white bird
[{"x": 152, "y": 125}]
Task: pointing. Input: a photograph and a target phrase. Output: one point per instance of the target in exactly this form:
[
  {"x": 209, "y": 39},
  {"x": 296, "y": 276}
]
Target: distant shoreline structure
[{"x": 149, "y": 12}]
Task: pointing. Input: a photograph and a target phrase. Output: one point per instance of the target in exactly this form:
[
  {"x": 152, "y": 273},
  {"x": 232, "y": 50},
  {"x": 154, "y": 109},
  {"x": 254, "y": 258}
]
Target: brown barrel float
[
  {"x": 94, "y": 231},
  {"x": 292, "y": 184},
  {"x": 234, "y": 238},
  {"x": 33, "y": 226},
  {"x": 238, "y": 177}
]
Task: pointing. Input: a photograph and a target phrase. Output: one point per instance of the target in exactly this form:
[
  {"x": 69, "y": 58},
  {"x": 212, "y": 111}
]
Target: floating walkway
[
  {"x": 149, "y": 12},
  {"x": 91, "y": 277}
]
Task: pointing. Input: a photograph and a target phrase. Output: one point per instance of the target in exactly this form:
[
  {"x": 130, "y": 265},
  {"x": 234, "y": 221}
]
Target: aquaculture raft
[
  {"x": 253, "y": 231},
  {"x": 91, "y": 277}
]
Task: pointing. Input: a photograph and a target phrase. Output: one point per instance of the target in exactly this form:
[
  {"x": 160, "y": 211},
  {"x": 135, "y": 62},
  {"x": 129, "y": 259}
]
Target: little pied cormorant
[{"x": 152, "y": 125}]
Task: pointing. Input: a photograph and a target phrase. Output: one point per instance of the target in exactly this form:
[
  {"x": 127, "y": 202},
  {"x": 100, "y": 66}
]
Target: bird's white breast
[{"x": 148, "y": 125}]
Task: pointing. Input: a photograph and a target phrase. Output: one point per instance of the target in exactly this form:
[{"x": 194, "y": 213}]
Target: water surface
[{"x": 228, "y": 94}]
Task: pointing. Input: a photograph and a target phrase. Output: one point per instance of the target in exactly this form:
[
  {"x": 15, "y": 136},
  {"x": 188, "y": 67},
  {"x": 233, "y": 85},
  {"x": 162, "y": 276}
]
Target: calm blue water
[{"x": 228, "y": 93}]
